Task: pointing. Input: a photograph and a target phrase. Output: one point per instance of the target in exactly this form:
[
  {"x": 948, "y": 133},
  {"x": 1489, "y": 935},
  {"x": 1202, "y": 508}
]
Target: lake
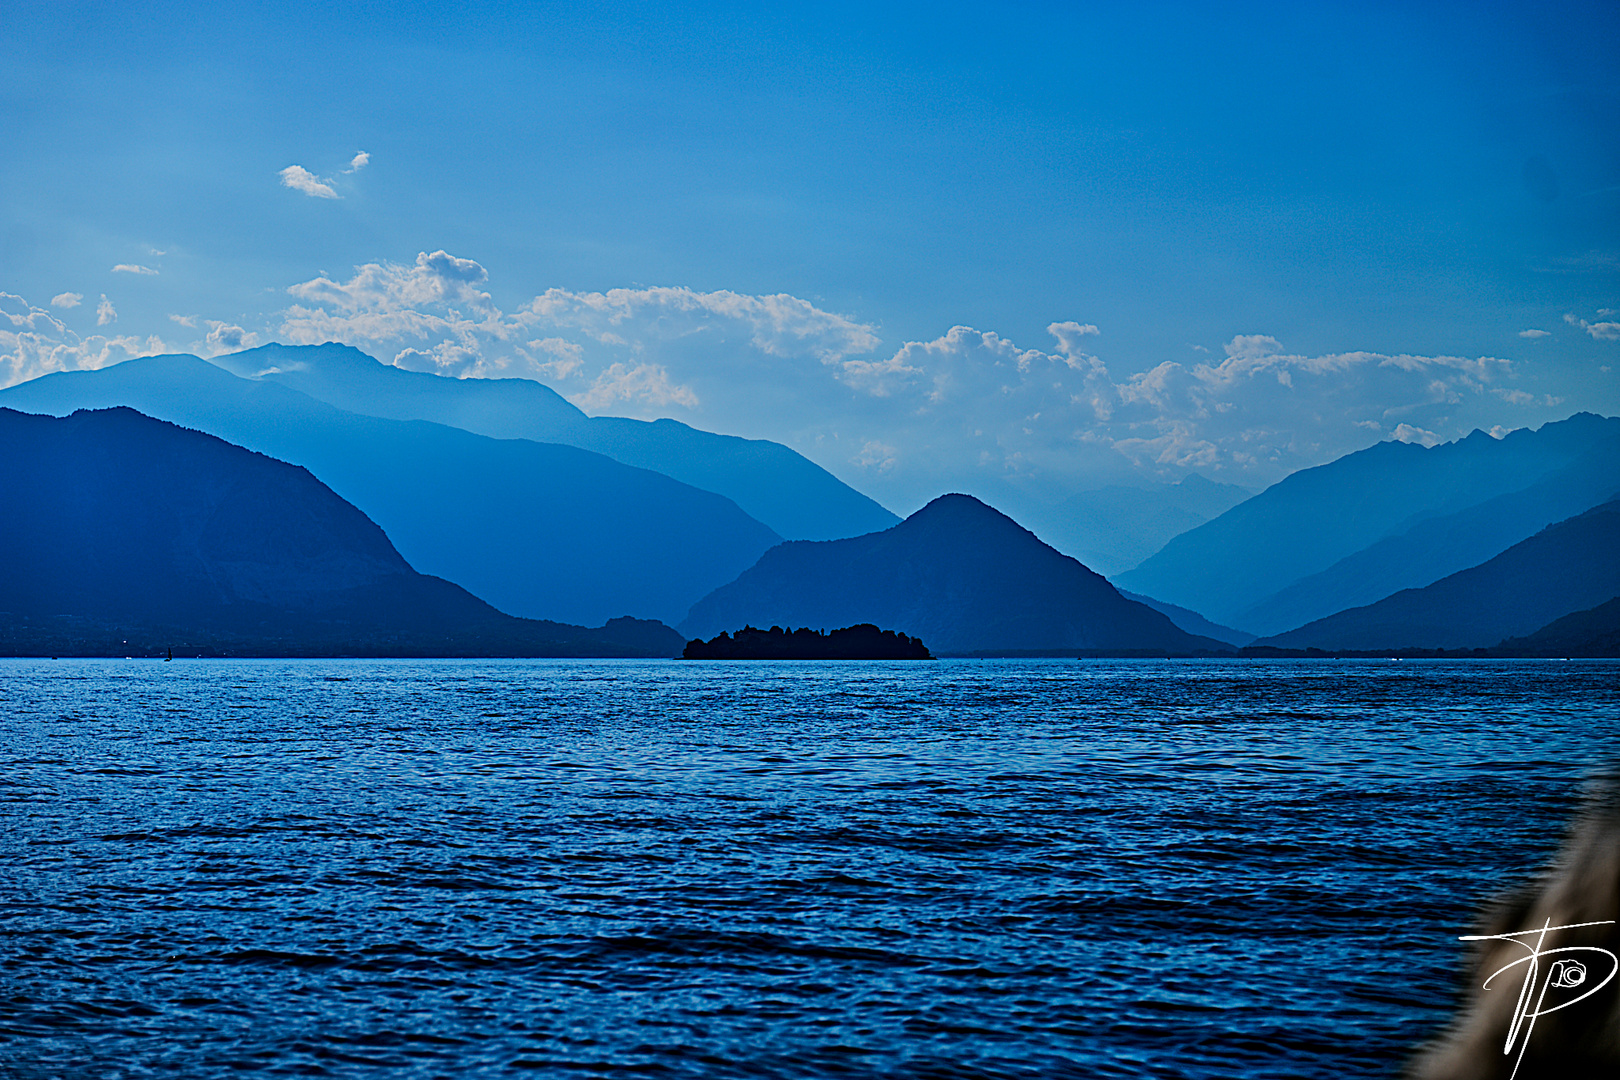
[{"x": 1034, "y": 868}]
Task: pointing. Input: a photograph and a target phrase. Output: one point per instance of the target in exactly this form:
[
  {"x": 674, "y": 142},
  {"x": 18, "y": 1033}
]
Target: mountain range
[
  {"x": 960, "y": 575},
  {"x": 1391, "y": 517},
  {"x": 791, "y": 495},
  {"x": 1568, "y": 567},
  {"x": 127, "y": 534},
  {"x": 536, "y": 529},
  {"x": 1398, "y": 546},
  {"x": 1112, "y": 529}
]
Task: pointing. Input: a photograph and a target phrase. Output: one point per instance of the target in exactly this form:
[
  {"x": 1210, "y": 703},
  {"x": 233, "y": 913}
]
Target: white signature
[{"x": 1563, "y": 974}]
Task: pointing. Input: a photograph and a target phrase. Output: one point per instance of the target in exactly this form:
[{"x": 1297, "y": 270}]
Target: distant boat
[{"x": 166, "y": 659}]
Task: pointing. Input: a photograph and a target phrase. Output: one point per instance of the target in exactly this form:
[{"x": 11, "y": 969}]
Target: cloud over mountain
[
  {"x": 33, "y": 342},
  {"x": 603, "y": 349},
  {"x": 968, "y": 400},
  {"x": 910, "y": 419}
]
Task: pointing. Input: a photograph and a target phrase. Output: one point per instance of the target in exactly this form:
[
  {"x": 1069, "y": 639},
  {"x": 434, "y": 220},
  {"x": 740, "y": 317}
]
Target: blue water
[{"x": 665, "y": 869}]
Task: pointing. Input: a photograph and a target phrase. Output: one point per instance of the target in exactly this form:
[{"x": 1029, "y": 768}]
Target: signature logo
[{"x": 1547, "y": 972}]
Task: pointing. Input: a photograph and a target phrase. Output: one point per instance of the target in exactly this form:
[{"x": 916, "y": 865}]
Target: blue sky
[{"x": 1049, "y": 246}]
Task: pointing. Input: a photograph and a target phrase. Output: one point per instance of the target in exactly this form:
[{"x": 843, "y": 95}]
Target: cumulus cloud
[
  {"x": 67, "y": 300},
  {"x": 225, "y": 338},
  {"x": 104, "y": 312},
  {"x": 779, "y": 325},
  {"x": 1406, "y": 433},
  {"x": 645, "y": 383},
  {"x": 1534, "y": 334},
  {"x": 189, "y": 321},
  {"x": 1603, "y": 331},
  {"x": 361, "y": 160},
  {"x": 33, "y": 342},
  {"x": 301, "y": 179},
  {"x": 969, "y": 402},
  {"x": 134, "y": 268},
  {"x": 876, "y": 456},
  {"x": 643, "y": 351}
]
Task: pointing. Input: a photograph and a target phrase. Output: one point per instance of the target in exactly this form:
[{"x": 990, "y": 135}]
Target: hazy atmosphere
[
  {"x": 777, "y": 542},
  {"x": 1046, "y": 246}
]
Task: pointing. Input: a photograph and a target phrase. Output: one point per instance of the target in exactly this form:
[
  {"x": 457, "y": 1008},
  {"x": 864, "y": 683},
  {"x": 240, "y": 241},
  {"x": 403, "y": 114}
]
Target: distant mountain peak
[
  {"x": 1395, "y": 515},
  {"x": 958, "y": 573},
  {"x": 775, "y": 485}
]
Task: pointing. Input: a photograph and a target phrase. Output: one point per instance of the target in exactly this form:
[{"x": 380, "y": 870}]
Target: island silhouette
[{"x": 861, "y": 642}]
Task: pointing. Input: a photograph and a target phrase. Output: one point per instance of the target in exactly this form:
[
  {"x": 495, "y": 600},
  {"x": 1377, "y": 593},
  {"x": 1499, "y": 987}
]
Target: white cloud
[
  {"x": 301, "y": 179},
  {"x": 779, "y": 325},
  {"x": 134, "y": 268},
  {"x": 34, "y": 342},
  {"x": 645, "y": 384},
  {"x": 104, "y": 312},
  {"x": 877, "y": 456},
  {"x": 1408, "y": 434},
  {"x": 67, "y": 300},
  {"x": 391, "y": 290},
  {"x": 1603, "y": 331},
  {"x": 1534, "y": 334},
  {"x": 911, "y": 419},
  {"x": 646, "y": 351},
  {"x": 566, "y": 357},
  {"x": 361, "y": 160},
  {"x": 225, "y": 338},
  {"x": 189, "y": 321},
  {"x": 972, "y": 403}
]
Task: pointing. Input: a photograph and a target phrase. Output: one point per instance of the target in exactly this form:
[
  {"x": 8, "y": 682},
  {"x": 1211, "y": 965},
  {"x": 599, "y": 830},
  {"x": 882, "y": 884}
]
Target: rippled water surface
[{"x": 665, "y": 869}]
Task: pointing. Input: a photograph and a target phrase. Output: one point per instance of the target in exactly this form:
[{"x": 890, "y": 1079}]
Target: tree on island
[{"x": 862, "y": 642}]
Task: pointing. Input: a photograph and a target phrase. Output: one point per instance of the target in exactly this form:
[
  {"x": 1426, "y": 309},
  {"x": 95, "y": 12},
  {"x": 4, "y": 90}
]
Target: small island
[{"x": 862, "y": 642}]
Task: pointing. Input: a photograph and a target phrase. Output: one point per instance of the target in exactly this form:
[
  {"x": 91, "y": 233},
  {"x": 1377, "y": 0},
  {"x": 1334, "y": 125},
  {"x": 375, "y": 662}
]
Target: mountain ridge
[
  {"x": 776, "y": 485},
  {"x": 1310, "y": 520},
  {"x": 1571, "y": 566},
  {"x": 958, "y": 574},
  {"x": 125, "y": 533},
  {"x": 537, "y": 529}
]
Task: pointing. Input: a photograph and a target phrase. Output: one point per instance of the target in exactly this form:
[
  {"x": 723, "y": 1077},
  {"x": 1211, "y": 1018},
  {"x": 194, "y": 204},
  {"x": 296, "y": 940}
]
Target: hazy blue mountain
[
  {"x": 963, "y": 577},
  {"x": 538, "y": 530},
  {"x": 786, "y": 491},
  {"x": 1114, "y": 528},
  {"x": 1593, "y": 632},
  {"x": 120, "y": 533},
  {"x": 1312, "y": 519},
  {"x": 1191, "y": 621},
  {"x": 1571, "y": 566},
  {"x": 1435, "y": 547}
]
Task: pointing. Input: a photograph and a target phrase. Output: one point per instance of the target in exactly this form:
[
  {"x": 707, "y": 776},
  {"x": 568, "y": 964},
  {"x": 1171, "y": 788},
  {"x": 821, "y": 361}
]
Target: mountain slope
[
  {"x": 958, "y": 574},
  {"x": 778, "y": 487},
  {"x": 1114, "y": 528},
  {"x": 1593, "y": 632},
  {"x": 1309, "y": 521},
  {"x": 1568, "y": 567},
  {"x": 1191, "y": 621},
  {"x": 536, "y": 529},
  {"x": 1433, "y": 548},
  {"x": 119, "y": 532}
]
